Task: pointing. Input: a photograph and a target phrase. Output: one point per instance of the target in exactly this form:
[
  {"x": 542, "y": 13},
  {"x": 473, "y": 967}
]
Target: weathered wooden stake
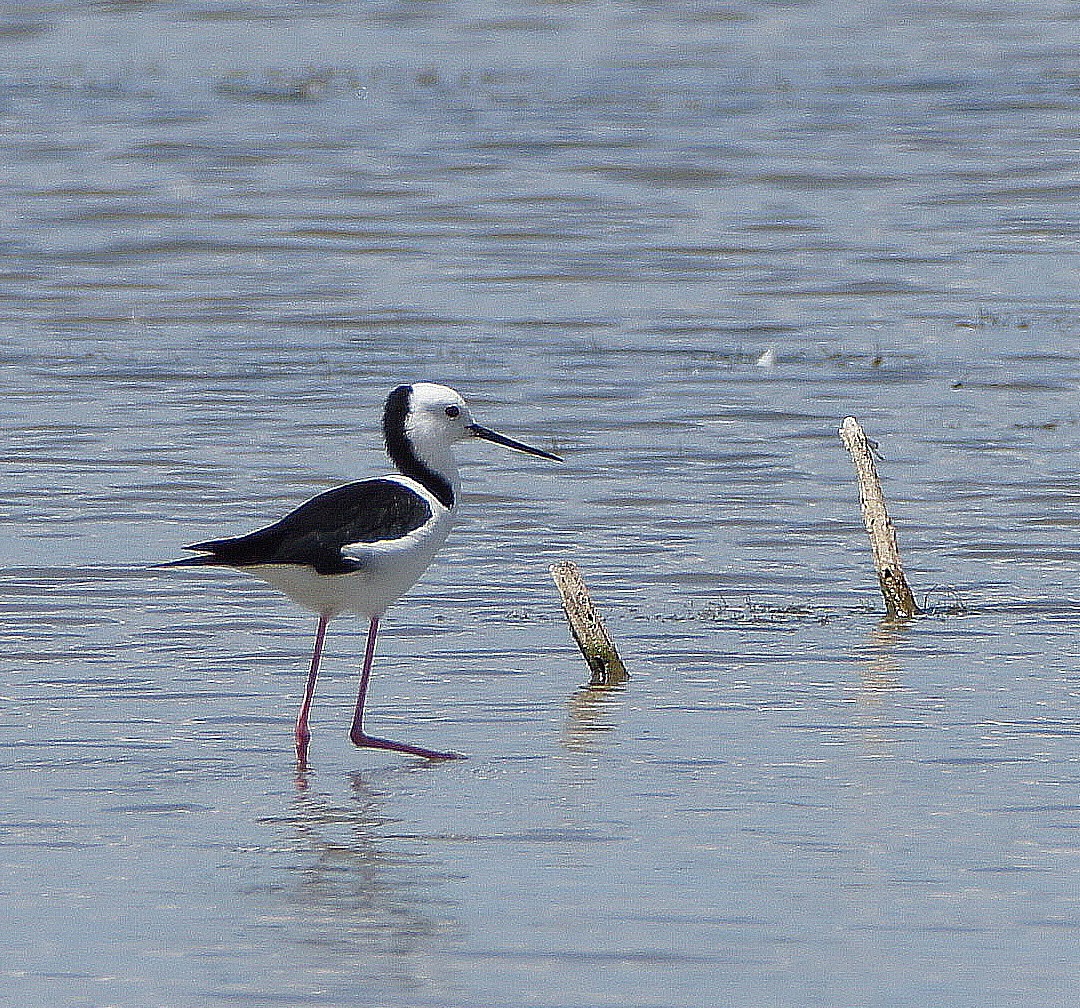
[
  {"x": 604, "y": 663},
  {"x": 899, "y": 600}
]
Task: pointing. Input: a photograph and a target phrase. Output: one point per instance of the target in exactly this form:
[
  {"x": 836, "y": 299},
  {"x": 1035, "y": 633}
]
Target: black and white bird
[{"x": 356, "y": 549}]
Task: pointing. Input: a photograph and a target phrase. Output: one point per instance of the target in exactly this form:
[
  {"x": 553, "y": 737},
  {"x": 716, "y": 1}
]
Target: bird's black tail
[
  {"x": 202, "y": 560},
  {"x": 240, "y": 551}
]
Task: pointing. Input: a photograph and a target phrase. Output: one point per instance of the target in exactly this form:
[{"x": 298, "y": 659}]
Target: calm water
[{"x": 229, "y": 227}]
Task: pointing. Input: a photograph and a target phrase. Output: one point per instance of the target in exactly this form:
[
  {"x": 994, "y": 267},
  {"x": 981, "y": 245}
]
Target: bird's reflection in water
[{"x": 362, "y": 903}]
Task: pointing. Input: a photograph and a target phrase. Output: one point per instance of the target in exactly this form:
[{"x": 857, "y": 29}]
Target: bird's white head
[
  {"x": 422, "y": 422},
  {"x": 436, "y": 415}
]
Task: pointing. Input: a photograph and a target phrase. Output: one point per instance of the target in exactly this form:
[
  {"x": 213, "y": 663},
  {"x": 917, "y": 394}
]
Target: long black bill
[{"x": 496, "y": 438}]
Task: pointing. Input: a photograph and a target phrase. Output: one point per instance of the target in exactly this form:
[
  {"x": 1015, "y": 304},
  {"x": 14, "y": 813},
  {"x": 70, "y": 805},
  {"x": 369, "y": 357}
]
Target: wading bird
[{"x": 357, "y": 548}]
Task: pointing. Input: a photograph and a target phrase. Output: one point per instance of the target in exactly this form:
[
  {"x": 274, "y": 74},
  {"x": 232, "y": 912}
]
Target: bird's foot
[{"x": 370, "y": 742}]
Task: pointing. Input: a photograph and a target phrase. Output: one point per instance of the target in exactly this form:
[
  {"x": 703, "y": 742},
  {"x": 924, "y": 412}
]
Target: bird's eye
[{"x": 453, "y": 412}]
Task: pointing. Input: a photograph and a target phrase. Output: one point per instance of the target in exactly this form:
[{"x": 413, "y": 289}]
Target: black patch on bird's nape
[{"x": 401, "y": 451}]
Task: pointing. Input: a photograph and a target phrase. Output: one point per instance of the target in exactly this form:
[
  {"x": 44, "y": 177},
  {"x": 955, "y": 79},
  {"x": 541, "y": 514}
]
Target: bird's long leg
[
  {"x": 303, "y": 734},
  {"x": 356, "y": 733},
  {"x": 357, "y": 730}
]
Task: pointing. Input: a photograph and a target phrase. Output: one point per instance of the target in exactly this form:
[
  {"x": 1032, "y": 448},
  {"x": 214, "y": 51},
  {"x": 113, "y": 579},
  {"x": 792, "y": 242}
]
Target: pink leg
[
  {"x": 356, "y": 733},
  {"x": 303, "y": 734}
]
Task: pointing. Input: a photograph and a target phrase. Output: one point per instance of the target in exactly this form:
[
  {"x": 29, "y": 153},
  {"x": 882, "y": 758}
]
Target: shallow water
[{"x": 230, "y": 228}]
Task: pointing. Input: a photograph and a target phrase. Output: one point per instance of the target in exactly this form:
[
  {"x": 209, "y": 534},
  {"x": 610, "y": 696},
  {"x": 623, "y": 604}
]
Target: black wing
[{"x": 315, "y": 532}]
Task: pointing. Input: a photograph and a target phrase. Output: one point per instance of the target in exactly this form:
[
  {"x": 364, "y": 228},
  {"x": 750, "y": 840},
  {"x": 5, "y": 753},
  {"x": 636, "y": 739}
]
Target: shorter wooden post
[
  {"x": 899, "y": 600},
  {"x": 604, "y": 663}
]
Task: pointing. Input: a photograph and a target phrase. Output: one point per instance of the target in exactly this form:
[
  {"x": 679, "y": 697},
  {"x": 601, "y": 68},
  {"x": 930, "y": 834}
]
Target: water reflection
[
  {"x": 591, "y": 710},
  {"x": 348, "y": 889},
  {"x": 881, "y": 671},
  {"x": 879, "y": 679}
]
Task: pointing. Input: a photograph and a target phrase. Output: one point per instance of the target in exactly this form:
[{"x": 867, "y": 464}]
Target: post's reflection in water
[
  {"x": 879, "y": 680},
  {"x": 589, "y": 806},
  {"x": 591, "y": 708},
  {"x": 881, "y": 671}
]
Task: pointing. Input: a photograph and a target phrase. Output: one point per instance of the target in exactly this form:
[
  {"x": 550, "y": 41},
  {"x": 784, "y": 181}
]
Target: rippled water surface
[{"x": 229, "y": 227}]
